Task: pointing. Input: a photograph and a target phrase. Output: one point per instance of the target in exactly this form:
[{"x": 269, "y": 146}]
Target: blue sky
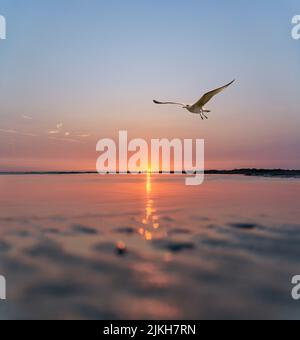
[{"x": 96, "y": 65}]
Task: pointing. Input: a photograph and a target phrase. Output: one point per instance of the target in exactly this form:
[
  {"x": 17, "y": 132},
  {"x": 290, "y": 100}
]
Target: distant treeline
[{"x": 246, "y": 172}]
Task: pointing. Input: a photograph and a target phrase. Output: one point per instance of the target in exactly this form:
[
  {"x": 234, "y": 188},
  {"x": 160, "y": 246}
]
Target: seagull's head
[{"x": 186, "y": 107}]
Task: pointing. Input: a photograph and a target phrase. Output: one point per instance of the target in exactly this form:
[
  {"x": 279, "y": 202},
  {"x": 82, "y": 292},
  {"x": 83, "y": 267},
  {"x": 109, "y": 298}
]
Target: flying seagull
[{"x": 198, "y": 107}]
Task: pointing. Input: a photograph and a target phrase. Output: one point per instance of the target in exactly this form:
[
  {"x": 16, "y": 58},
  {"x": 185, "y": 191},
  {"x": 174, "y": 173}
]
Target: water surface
[{"x": 149, "y": 247}]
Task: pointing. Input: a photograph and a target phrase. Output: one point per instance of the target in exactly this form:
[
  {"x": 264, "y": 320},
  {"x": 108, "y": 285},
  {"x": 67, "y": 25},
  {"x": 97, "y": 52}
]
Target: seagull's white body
[{"x": 198, "y": 107}]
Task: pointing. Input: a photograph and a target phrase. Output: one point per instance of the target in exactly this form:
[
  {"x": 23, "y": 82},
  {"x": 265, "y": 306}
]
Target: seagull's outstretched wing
[
  {"x": 209, "y": 95},
  {"x": 167, "y": 103}
]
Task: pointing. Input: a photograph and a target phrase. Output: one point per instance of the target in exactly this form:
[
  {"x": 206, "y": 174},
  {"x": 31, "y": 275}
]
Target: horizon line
[{"x": 278, "y": 171}]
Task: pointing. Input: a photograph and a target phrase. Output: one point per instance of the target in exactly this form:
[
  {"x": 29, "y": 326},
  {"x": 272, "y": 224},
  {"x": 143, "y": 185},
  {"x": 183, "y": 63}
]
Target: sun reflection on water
[{"x": 150, "y": 222}]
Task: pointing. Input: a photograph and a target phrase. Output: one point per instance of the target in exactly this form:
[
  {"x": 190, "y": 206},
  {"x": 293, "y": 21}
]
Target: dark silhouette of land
[
  {"x": 257, "y": 172},
  {"x": 245, "y": 172}
]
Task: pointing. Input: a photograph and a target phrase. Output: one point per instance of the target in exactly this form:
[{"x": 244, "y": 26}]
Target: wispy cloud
[
  {"x": 27, "y": 117},
  {"x": 57, "y": 135},
  {"x": 8, "y": 131},
  {"x": 69, "y": 140},
  {"x": 15, "y": 132},
  {"x": 53, "y": 132},
  {"x": 29, "y": 134}
]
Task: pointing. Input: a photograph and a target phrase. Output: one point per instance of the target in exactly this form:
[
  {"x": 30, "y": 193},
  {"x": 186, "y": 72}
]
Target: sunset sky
[{"x": 72, "y": 72}]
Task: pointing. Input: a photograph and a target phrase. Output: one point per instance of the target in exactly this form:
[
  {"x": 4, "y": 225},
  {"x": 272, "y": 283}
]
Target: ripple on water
[
  {"x": 82, "y": 229},
  {"x": 126, "y": 230},
  {"x": 174, "y": 246},
  {"x": 4, "y": 246},
  {"x": 180, "y": 231},
  {"x": 244, "y": 226}
]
